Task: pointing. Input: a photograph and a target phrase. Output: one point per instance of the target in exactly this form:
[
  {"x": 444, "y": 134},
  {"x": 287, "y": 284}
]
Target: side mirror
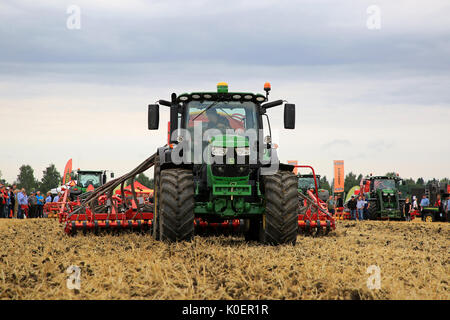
[
  {"x": 289, "y": 116},
  {"x": 153, "y": 117},
  {"x": 112, "y": 175},
  {"x": 104, "y": 178}
]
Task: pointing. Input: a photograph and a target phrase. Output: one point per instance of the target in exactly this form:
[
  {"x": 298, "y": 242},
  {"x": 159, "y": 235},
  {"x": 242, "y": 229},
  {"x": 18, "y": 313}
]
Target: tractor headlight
[
  {"x": 243, "y": 151},
  {"x": 219, "y": 151}
]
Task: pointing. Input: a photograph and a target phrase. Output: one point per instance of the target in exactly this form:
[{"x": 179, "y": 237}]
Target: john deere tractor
[
  {"x": 383, "y": 196},
  {"x": 306, "y": 182},
  {"x": 219, "y": 166},
  {"x": 87, "y": 180}
]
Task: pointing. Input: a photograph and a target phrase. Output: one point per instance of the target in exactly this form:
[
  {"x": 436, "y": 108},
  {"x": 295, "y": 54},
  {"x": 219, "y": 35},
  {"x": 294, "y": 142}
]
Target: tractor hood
[{"x": 229, "y": 141}]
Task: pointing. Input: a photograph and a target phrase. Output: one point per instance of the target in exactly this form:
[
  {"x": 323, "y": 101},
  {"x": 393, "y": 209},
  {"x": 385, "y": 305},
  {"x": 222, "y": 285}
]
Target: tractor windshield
[
  {"x": 384, "y": 184},
  {"x": 85, "y": 179},
  {"x": 306, "y": 183},
  {"x": 222, "y": 115}
]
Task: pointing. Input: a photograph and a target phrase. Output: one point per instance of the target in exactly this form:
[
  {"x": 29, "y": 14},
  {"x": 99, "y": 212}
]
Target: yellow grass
[{"x": 413, "y": 259}]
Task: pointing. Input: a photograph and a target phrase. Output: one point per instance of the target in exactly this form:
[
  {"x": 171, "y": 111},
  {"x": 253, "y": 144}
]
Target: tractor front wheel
[
  {"x": 176, "y": 205},
  {"x": 372, "y": 210},
  {"x": 280, "y": 219}
]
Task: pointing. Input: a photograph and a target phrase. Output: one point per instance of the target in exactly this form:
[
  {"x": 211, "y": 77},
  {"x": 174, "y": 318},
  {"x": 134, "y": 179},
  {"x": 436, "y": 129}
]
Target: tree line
[{"x": 51, "y": 179}]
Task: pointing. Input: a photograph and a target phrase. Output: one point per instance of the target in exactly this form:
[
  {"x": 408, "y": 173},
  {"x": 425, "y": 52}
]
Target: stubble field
[{"x": 412, "y": 259}]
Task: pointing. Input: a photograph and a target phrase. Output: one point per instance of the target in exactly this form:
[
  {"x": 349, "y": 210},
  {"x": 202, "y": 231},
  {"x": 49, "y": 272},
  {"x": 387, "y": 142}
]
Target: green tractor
[
  {"x": 306, "y": 182},
  {"x": 87, "y": 180},
  {"x": 220, "y": 166},
  {"x": 382, "y": 193}
]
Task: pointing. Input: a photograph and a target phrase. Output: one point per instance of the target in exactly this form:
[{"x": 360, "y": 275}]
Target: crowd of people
[
  {"x": 359, "y": 207},
  {"x": 17, "y": 203}
]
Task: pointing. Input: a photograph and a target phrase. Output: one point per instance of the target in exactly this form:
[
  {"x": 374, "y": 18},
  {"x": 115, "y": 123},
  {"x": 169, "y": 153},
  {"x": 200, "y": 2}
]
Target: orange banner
[
  {"x": 339, "y": 176},
  {"x": 67, "y": 171},
  {"x": 293, "y": 162}
]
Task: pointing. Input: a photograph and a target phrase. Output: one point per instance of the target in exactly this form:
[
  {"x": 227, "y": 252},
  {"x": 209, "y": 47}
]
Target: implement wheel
[
  {"x": 280, "y": 220},
  {"x": 428, "y": 217},
  {"x": 176, "y": 205}
]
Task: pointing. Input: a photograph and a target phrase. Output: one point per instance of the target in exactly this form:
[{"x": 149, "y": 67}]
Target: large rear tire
[
  {"x": 176, "y": 205},
  {"x": 280, "y": 220},
  {"x": 156, "y": 196}
]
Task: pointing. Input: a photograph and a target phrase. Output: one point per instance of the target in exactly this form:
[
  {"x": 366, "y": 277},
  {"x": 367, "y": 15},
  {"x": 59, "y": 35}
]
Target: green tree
[
  {"x": 324, "y": 184},
  {"x": 26, "y": 178},
  {"x": 391, "y": 174},
  {"x": 350, "y": 181},
  {"x": 146, "y": 181},
  {"x": 420, "y": 182},
  {"x": 50, "y": 179},
  {"x": 142, "y": 178},
  {"x": 2, "y": 181}
]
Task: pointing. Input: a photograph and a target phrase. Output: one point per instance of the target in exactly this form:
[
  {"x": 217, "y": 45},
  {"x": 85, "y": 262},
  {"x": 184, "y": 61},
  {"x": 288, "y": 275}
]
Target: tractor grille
[{"x": 230, "y": 170}]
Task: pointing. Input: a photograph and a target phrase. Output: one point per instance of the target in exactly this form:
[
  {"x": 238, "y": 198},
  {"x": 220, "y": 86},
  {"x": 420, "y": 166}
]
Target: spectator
[
  {"x": 12, "y": 202},
  {"x": 8, "y": 203},
  {"x": 360, "y": 206},
  {"x": 352, "y": 206},
  {"x": 424, "y": 202},
  {"x": 414, "y": 204},
  {"x": 56, "y": 199},
  {"x": 32, "y": 201},
  {"x": 3, "y": 199},
  {"x": 40, "y": 205},
  {"x": 448, "y": 208},
  {"x": 366, "y": 208},
  {"x": 407, "y": 210},
  {"x": 331, "y": 205},
  {"x": 23, "y": 204},
  {"x": 49, "y": 197},
  {"x": 16, "y": 203}
]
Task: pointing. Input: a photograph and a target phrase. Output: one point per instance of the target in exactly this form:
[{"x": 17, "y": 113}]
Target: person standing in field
[
  {"x": 407, "y": 210},
  {"x": 32, "y": 201},
  {"x": 12, "y": 200},
  {"x": 23, "y": 204},
  {"x": 56, "y": 199},
  {"x": 352, "y": 206},
  {"x": 360, "y": 206},
  {"x": 331, "y": 205},
  {"x": 49, "y": 197},
  {"x": 16, "y": 204},
  {"x": 40, "y": 205}
]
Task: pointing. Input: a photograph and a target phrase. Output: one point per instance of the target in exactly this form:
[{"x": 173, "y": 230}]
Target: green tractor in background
[
  {"x": 87, "y": 180},
  {"x": 306, "y": 182},
  {"x": 382, "y": 193},
  {"x": 223, "y": 174}
]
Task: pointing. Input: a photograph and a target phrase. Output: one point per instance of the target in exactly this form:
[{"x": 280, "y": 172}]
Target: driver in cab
[{"x": 216, "y": 121}]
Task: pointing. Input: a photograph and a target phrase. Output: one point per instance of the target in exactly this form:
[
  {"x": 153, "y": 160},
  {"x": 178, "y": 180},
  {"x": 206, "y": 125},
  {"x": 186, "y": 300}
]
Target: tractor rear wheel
[
  {"x": 156, "y": 195},
  {"x": 176, "y": 205},
  {"x": 280, "y": 220}
]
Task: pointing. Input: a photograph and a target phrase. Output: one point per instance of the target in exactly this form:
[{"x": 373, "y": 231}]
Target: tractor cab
[
  {"x": 87, "y": 180},
  {"x": 306, "y": 182}
]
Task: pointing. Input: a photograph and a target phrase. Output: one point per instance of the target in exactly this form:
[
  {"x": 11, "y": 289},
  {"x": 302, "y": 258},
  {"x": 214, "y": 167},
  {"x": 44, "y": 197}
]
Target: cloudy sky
[{"x": 377, "y": 98}]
